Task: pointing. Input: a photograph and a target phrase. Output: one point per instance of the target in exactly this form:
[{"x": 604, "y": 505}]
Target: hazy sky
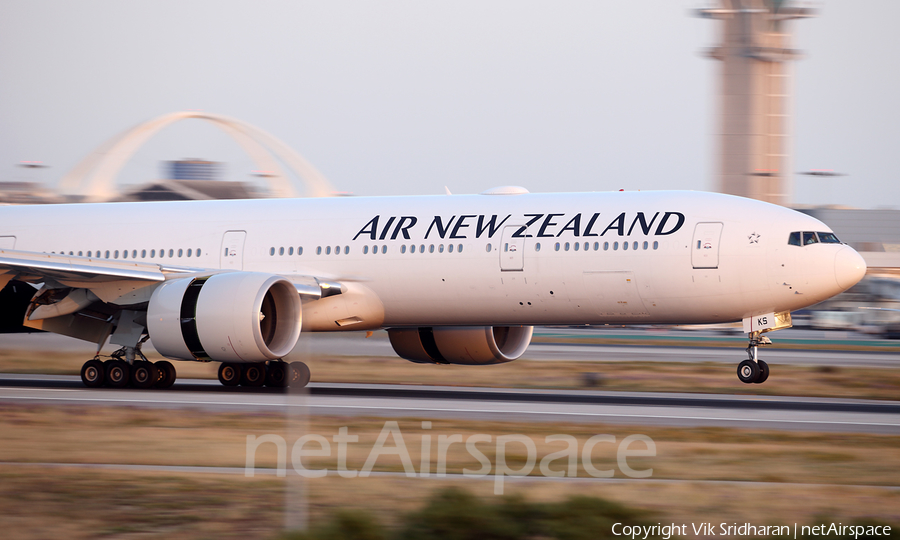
[{"x": 406, "y": 97}]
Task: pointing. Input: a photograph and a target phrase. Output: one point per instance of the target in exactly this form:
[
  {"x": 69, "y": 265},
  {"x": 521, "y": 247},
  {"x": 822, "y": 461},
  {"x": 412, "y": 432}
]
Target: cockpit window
[
  {"x": 806, "y": 238},
  {"x": 828, "y": 238}
]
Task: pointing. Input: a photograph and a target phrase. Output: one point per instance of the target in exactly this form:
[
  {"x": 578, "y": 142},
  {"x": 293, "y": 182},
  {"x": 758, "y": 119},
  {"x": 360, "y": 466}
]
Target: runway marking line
[{"x": 434, "y": 409}]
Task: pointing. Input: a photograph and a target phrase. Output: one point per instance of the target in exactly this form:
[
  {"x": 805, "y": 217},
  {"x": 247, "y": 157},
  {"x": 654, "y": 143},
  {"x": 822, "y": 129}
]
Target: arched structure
[{"x": 95, "y": 176}]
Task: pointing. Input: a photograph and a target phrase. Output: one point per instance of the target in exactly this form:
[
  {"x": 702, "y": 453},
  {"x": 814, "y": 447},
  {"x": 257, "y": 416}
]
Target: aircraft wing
[
  {"x": 109, "y": 279},
  {"x": 37, "y": 267}
]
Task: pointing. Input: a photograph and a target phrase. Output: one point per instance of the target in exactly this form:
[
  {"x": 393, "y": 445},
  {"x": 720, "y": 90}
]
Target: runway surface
[
  {"x": 356, "y": 344},
  {"x": 429, "y": 402}
]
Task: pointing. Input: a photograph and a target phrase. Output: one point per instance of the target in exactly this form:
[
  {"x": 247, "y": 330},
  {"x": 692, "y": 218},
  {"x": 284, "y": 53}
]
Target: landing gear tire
[
  {"x": 253, "y": 375},
  {"x": 748, "y": 371},
  {"x": 299, "y": 374},
  {"x": 167, "y": 374},
  {"x": 230, "y": 374},
  {"x": 118, "y": 373},
  {"x": 763, "y": 372},
  {"x": 143, "y": 374},
  {"x": 93, "y": 373},
  {"x": 278, "y": 374}
]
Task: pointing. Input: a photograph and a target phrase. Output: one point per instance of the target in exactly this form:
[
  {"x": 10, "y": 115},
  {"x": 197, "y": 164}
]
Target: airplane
[{"x": 454, "y": 279}]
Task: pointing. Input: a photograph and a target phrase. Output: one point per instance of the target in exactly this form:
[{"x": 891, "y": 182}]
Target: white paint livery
[{"x": 505, "y": 258}]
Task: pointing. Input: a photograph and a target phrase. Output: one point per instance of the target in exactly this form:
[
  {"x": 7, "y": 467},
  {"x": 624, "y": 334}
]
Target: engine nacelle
[
  {"x": 230, "y": 317},
  {"x": 468, "y": 345}
]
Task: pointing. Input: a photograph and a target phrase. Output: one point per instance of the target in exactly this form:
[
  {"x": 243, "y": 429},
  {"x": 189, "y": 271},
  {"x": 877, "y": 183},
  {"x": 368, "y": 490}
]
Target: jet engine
[
  {"x": 468, "y": 345},
  {"x": 229, "y": 317}
]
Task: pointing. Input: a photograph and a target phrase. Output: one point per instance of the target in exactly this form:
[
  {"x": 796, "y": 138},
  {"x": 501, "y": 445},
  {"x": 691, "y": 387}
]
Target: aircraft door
[
  {"x": 7, "y": 242},
  {"x": 231, "y": 256},
  {"x": 512, "y": 250},
  {"x": 705, "y": 248}
]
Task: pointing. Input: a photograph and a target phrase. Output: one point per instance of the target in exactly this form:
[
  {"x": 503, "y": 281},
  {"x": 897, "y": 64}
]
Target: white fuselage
[{"x": 523, "y": 259}]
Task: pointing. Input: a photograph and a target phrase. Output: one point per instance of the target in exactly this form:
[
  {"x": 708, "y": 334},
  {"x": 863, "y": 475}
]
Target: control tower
[{"x": 753, "y": 124}]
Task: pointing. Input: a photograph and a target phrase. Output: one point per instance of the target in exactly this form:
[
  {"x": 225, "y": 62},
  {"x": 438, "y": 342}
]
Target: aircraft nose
[{"x": 849, "y": 267}]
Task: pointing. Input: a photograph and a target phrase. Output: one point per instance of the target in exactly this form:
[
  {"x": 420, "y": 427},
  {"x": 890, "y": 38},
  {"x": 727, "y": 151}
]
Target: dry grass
[
  {"x": 68, "y": 503},
  {"x": 865, "y": 383},
  {"x": 50, "y": 502}
]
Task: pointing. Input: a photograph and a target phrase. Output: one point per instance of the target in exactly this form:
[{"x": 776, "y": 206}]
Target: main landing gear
[
  {"x": 276, "y": 374},
  {"x": 128, "y": 367},
  {"x": 753, "y": 370}
]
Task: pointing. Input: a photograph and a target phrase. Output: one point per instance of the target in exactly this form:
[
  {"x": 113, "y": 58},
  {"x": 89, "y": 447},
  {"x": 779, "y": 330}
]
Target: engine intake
[
  {"x": 467, "y": 345},
  {"x": 230, "y": 317}
]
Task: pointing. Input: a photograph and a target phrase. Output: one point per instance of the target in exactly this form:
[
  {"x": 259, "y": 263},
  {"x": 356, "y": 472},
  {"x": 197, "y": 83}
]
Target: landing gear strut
[{"x": 753, "y": 370}]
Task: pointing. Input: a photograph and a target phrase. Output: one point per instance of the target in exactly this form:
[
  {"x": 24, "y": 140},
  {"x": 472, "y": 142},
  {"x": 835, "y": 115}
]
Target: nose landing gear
[{"x": 753, "y": 370}]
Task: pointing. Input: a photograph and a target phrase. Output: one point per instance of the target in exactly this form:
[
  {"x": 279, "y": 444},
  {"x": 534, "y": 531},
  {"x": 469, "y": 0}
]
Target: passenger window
[
  {"x": 459, "y": 248},
  {"x": 271, "y": 251},
  {"x": 365, "y": 250},
  {"x": 299, "y": 251},
  {"x": 441, "y": 248},
  {"x": 116, "y": 255},
  {"x": 152, "y": 253},
  {"x": 557, "y": 246},
  {"x": 422, "y": 248},
  {"x": 615, "y": 246},
  {"x": 346, "y": 250},
  {"x": 605, "y": 246},
  {"x": 124, "y": 254},
  {"x": 486, "y": 248},
  {"x": 645, "y": 244},
  {"x": 327, "y": 250},
  {"x": 450, "y": 248},
  {"x": 180, "y": 253},
  {"x": 318, "y": 250},
  {"x": 810, "y": 238},
  {"x": 431, "y": 248},
  {"x": 655, "y": 244},
  {"x": 577, "y": 246},
  {"x": 537, "y": 247},
  {"x": 171, "y": 253},
  {"x": 567, "y": 246},
  {"x": 190, "y": 251},
  {"x": 281, "y": 251},
  {"x": 403, "y": 248},
  {"x": 134, "y": 254},
  {"x": 828, "y": 238},
  {"x": 384, "y": 249},
  {"x": 290, "y": 251},
  {"x": 634, "y": 246},
  {"x": 143, "y": 254},
  {"x": 625, "y": 245},
  {"x": 794, "y": 239}
]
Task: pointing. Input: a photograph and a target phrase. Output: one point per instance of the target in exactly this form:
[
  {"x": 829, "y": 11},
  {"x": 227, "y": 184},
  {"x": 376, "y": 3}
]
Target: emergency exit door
[
  {"x": 231, "y": 257},
  {"x": 512, "y": 250},
  {"x": 705, "y": 248}
]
